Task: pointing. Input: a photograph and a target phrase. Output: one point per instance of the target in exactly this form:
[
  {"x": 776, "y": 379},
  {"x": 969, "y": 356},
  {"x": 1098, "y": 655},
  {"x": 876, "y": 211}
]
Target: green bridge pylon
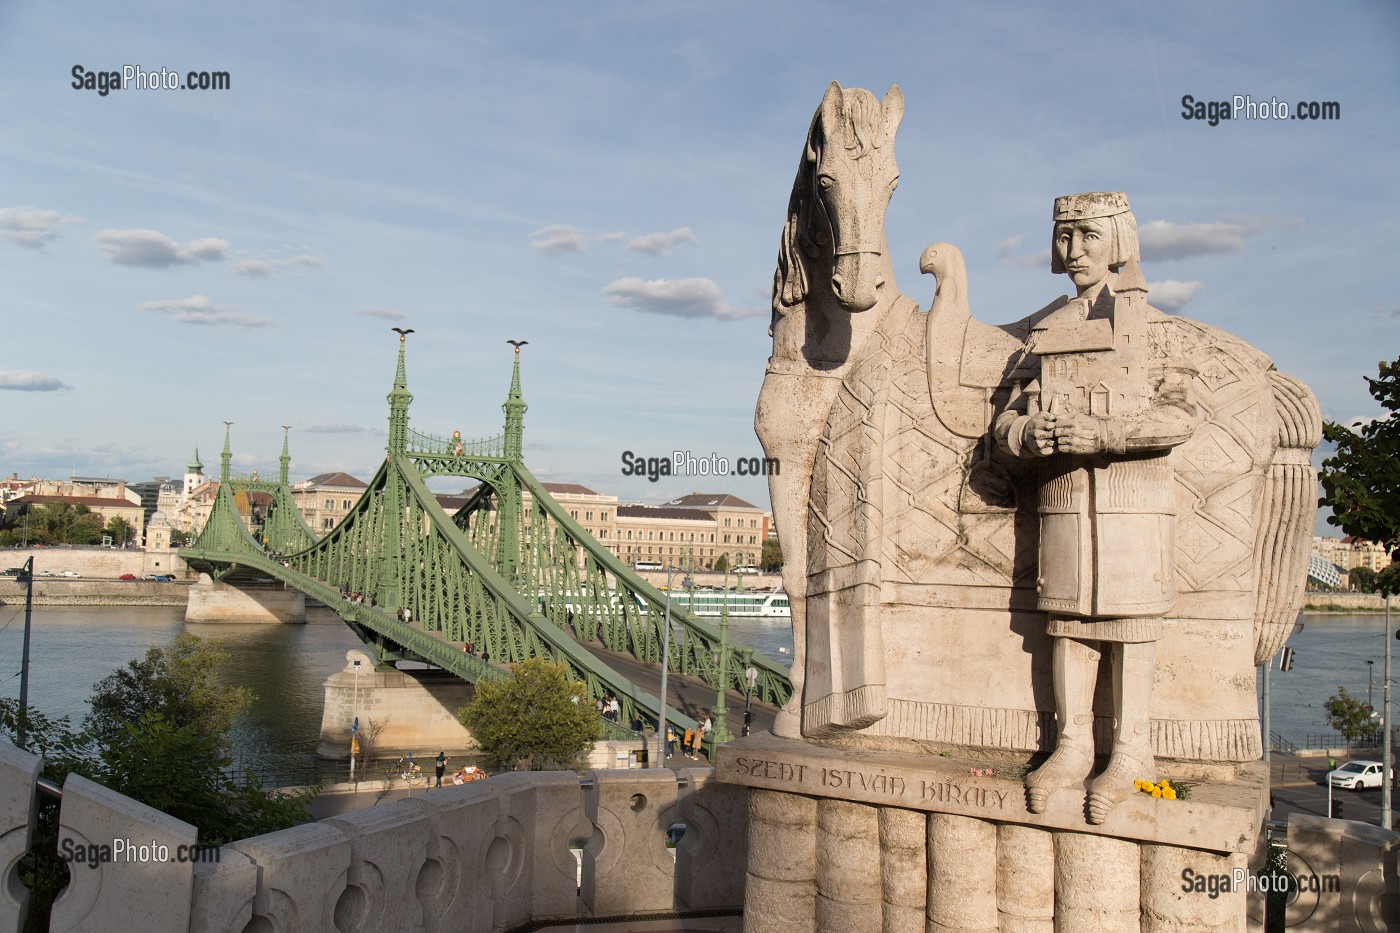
[{"x": 514, "y": 579}]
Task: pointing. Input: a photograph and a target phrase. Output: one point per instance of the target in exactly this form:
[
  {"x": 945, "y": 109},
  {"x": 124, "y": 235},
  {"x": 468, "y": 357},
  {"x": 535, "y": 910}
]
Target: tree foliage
[
  {"x": 56, "y": 522},
  {"x": 181, "y": 683},
  {"x": 158, "y": 732},
  {"x": 118, "y": 528},
  {"x": 537, "y": 716},
  {"x": 1361, "y": 480},
  {"x": 1362, "y": 579},
  {"x": 1349, "y": 715},
  {"x": 772, "y": 558}
]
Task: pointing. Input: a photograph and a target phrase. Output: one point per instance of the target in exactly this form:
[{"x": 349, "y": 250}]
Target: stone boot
[
  {"x": 1133, "y": 666},
  {"x": 1074, "y": 667}
]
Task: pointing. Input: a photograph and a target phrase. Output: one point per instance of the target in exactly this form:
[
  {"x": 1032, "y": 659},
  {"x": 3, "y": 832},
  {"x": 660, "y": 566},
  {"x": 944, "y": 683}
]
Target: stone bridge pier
[{"x": 250, "y": 602}]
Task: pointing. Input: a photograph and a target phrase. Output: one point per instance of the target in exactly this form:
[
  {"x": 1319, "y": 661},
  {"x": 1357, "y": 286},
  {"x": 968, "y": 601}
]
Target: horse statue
[{"x": 833, "y": 286}]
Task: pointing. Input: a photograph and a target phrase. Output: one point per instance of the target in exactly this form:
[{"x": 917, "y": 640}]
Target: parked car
[
  {"x": 1357, "y": 774},
  {"x": 12, "y": 572},
  {"x": 46, "y": 573},
  {"x": 164, "y": 578},
  {"x": 70, "y": 573},
  {"x": 127, "y": 576}
]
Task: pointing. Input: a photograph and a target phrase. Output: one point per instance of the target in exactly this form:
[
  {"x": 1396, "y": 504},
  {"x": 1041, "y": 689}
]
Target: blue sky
[{"x": 608, "y": 181}]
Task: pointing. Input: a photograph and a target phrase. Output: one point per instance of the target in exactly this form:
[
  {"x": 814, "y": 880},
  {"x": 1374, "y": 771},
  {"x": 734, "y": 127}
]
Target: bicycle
[{"x": 405, "y": 769}]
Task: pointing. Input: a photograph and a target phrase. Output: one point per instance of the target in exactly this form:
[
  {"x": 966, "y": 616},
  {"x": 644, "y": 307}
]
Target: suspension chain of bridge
[{"x": 514, "y": 581}]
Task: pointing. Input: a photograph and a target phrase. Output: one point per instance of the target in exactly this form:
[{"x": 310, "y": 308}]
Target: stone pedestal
[
  {"x": 415, "y": 711},
  {"x": 222, "y": 602},
  {"x": 843, "y": 839}
]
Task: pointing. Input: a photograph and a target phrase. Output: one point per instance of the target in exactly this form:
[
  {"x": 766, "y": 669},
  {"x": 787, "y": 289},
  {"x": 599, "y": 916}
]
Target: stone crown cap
[{"x": 1090, "y": 205}]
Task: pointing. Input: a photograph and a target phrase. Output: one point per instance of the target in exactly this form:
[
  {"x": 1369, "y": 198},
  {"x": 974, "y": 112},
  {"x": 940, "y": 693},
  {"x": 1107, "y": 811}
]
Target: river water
[{"x": 286, "y": 665}]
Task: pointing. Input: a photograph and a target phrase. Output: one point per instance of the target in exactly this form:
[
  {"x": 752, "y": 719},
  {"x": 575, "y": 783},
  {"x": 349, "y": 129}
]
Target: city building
[
  {"x": 326, "y": 498},
  {"x": 691, "y": 531},
  {"x": 1351, "y": 553}
]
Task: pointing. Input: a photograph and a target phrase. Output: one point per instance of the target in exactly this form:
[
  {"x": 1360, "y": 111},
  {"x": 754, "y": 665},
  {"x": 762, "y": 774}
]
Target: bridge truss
[{"x": 511, "y": 573}]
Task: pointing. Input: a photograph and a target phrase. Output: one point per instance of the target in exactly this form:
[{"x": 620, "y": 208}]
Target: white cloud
[
  {"x": 267, "y": 268},
  {"x": 30, "y": 226},
  {"x": 335, "y": 428},
  {"x": 1162, "y": 240},
  {"x": 688, "y": 298},
  {"x": 558, "y": 239},
  {"x": 157, "y": 251},
  {"x": 192, "y": 303},
  {"x": 1172, "y": 295},
  {"x": 387, "y": 314},
  {"x": 661, "y": 244},
  {"x": 20, "y": 381},
  {"x": 221, "y": 316},
  {"x": 1006, "y": 255},
  {"x": 199, "y": 309}
]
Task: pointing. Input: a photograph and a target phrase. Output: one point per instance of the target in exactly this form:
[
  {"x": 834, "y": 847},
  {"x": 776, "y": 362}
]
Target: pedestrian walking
[{"x": 441, "y": 767}]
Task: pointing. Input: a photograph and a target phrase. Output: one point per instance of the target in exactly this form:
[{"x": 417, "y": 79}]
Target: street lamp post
[
  {"x": 1370, "y": 672},
  {"x": 1385, "y": 724},
  {"x": 750, "y": 681},
  {"x": 355, "y": 724},
  {"x": 665, "y": 666},
  {"x": 721, "y": 717},
  {"x": 27, "y": 577}
]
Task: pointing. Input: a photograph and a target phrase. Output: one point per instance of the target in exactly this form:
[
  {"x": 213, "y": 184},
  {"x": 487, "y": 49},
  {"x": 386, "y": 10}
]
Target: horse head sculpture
[{"x": 836, "y": 215}]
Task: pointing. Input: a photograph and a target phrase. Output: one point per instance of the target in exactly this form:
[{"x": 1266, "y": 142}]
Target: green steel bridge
[{"x": 510, "y": 572}]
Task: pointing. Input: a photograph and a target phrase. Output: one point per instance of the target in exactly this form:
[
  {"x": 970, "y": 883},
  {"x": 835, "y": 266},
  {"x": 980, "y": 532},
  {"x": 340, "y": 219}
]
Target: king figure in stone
[{"x": 1102, "y": 396}]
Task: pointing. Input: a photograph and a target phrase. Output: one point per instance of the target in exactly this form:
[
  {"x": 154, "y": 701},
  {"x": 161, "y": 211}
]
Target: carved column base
[{"x": 842, "y": 840}]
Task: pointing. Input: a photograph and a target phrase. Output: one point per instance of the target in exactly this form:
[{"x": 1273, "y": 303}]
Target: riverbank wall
[
  {"x": 98, "y": 563},
  {"x": 1321, "y": 601},
  {"x": 65, "y": 591}
]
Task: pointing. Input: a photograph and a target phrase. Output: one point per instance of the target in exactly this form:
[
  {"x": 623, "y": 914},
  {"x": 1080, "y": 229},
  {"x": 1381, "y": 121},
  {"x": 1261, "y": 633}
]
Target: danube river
[{"x": 286, "y": 665}]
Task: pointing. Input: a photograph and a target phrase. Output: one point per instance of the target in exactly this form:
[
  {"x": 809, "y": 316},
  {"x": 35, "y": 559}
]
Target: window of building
[
  {"x": 673, "y": 536},
  {"x": 346, "y": 503},
  {"x": 327, "y": 524},
  {"x": 726, "y": 523},
  {"x": 602, "y": 516},
  {"x": 588, "y": 516},
  {"x": 330, "y": 503}
]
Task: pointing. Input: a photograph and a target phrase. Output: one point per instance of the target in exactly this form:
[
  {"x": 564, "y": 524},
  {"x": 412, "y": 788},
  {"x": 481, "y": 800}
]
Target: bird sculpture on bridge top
[
  {"x": 402, "y": 332},
  {"x": 517, "y": 344}
]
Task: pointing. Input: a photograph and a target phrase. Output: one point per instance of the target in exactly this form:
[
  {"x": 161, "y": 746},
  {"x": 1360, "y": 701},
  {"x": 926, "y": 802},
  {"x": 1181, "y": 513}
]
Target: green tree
[
  {"x": 157, "y": 733},
  {"x": 181, "y": 683},
  {"x": 722, "y": 563},
  {"x": 1361, "y": 480},
  {"x": 1349, "y": 715},
  {"x": 118, "y": 528},
  {"x": 537, "y": 716},
  {"x": 772, "y": 559},
  {"x": 1363, "y": 579}
]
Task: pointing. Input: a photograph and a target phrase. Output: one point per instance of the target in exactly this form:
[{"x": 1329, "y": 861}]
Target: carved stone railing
[{"x": 488, "y": 856}]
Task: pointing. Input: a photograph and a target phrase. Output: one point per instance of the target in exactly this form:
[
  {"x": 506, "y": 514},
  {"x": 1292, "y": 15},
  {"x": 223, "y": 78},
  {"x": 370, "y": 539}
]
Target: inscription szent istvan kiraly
[{"x": 1030, "y": 565}]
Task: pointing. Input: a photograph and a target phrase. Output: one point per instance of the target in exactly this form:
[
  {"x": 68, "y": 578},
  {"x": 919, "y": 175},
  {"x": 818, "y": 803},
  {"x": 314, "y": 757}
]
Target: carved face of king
[{"x": 1084, "y": 248}]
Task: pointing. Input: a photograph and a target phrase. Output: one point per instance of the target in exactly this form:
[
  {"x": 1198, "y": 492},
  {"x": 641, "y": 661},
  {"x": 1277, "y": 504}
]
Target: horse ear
[
  {"x": 828, "y": 115},
  {"x": 893, "y": 109}
]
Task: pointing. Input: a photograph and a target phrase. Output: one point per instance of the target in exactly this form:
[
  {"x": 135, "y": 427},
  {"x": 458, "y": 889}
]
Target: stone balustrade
[{"x": 487, "y": 856}]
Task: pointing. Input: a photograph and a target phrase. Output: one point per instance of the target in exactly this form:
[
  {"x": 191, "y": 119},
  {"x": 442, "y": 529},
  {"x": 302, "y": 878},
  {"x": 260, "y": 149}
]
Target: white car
[
  {"x": 1357, "y": 774},
  {"x": 70, "y": 573}
]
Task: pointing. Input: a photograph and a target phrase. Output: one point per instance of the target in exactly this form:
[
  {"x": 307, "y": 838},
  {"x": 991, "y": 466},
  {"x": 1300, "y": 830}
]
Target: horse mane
[{"x": 859, "y": 127}]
